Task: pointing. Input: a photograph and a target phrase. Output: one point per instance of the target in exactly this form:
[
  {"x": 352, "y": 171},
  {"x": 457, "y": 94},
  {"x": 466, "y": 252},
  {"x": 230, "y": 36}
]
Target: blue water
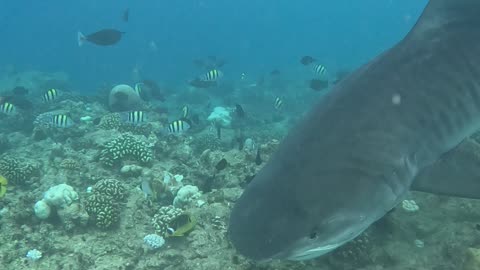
[{"x": 253, "y": 36}]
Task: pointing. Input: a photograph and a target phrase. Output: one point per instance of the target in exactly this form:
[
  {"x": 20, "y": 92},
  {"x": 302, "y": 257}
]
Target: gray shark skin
[{"x": 357, "y": 153}]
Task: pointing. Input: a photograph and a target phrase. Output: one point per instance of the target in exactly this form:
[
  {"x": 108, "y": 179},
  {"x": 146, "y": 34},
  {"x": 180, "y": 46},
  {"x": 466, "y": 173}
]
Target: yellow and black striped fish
[
  {"x": 185, "y": 111},
  {"x": 319, "y": 69},
  {"x": 211, "y": 76},
  {"x": 136, "y": 117},
  {"x": 177, "y": 127},
  {"x": 51, "y": 95},
  {"x": 62, "y": 121},
  {"x": 278, "y": 104},
  {"x": 139, "y": 88},
  {"x": 8, "y": 108}
]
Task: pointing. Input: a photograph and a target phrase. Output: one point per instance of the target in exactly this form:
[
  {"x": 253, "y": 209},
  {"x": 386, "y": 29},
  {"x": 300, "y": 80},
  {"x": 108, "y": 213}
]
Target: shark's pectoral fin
[{"x": 457, "y": 173}]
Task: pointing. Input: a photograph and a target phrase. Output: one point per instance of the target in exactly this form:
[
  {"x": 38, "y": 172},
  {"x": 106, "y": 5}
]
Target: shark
[{"x": 376, "y": 135}]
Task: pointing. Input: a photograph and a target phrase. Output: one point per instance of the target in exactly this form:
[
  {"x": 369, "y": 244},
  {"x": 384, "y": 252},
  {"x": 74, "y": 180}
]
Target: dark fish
[
  {"x": 202, "y": 84},
  {"x": 222, "y": 164},
  {"x": 19, "y": 91},
  {"x": 275, "y": 72},
  {"x": 318, "y": 85},
  {"x": 258, "y": 158},
  {"x": 50, "y": 95},
  {"x": 247, "y": 180},
  {"x": 212, "y": 62},
  {"x": 240, "y": 139},
  {"x": 219, "y": 132},
  {"x": 105, "y": 37},
  {"x": 239, "y": 111},
  {"x": 125, "y": 15},
  {"x": 195, "y": 119},
  {"x": 153, "y": 90},
  {"x": 307, "y": 60}
]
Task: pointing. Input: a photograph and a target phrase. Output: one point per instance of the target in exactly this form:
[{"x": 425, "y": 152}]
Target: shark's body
[{"x": 359, "y": 151}]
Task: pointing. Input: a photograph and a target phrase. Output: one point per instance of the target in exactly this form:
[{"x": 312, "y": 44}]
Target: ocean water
[
  {"x": 134, "y": 155},
  {"x": 254, "y": 37}
]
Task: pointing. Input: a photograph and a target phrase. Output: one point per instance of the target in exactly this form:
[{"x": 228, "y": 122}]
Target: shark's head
[{"x": 274, "y": 221}]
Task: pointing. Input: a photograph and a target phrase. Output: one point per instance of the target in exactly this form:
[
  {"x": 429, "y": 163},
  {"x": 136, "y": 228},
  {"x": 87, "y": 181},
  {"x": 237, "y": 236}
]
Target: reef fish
[
  {"x": 134, "y": 117},
  {"x": 318, "y": 85},
  {"x": 319, "y": 69},
  {"x": 177, "y": 127},
  {"x": 278, "y": 104},
  {"x": 61, "y": 121},
  {"x": 105, "y": 37},
  {"x": 211, "y": 76},
  {"x": 358, "y": 152},
  {"x": 8, "y": 108},
  {"x": 50, "y": 95}
]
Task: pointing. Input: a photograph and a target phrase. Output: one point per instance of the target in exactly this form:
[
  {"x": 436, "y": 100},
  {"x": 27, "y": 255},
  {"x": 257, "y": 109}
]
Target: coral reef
[
  {"x": 70, "y": 164},
  {"x": 114, "y": 121},
  {"x": 15, "y": 171},
  {"x": 162, "y": 219},
  {"x": 123, "y": 97},
  {"x": 103, "y": 210},
  {"x": 110, "y": 187},
  {"x": 154, "y": 241},
  {"x": 124, "y": 147}
]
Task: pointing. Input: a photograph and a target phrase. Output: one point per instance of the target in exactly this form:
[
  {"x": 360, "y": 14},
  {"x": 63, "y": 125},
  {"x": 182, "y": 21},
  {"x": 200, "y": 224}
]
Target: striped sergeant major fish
[
  {"x": 177, "y": 127},
  {"x": 185, "y": 112},
  {"x": 61, "y": 121},
  {"x": 51, "y": 95},
  {"x": 319, "y": 69},
  {"x": 134, "y": 117},
  {"x": 139, "y": 88},
  {"x": 8, "y": 108},
  {"x": 211, "y": 76},
  {"x": 278, "y": 104}
]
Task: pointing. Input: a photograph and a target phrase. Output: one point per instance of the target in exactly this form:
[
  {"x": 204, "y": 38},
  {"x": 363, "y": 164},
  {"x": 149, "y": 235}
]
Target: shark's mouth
[{"x": 312, "y": 253}]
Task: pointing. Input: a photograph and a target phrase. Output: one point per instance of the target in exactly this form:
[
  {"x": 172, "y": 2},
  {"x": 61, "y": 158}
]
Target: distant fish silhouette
[
  {"x": 125, "y": 15},
  {"x": 105, "y": 37}
]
